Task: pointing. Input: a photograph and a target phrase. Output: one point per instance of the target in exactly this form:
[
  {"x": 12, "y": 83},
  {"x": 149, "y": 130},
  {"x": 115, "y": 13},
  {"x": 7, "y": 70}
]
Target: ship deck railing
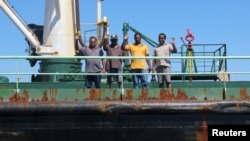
[
  {"x": 192, "y": 62},
  {"x": 174, "y": 74}
]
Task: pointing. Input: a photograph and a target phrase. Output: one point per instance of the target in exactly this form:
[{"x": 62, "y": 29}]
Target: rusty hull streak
[
  {"x": 24, "y": 96},
  {"x": 202, "y": 134},
  {"x": 181, "y": 95},
  {"x": 164, "y": 94},
  {"x": 238, "y": 107},
  {"x": 135, "y": 106},
  {"x": 128, "y": 95},
  {"x": 103, "y": 107},
  {"x": 143, "y": 95},
  {"x": 52, "y": 93},
  {"x": 232, "y": 97},
  {"x": 45, "y": 96},
  {"x": 114, "y": 95},
  {"x": 95, "y": 94},
  {"x": 243, "y": 94},
  {"x": 20, "y": 98}
]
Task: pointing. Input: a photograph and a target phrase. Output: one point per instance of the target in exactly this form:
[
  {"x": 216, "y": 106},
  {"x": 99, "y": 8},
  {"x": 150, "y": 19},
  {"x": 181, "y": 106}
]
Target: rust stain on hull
[
  {"x": 17, "y": 97},
  {"x": 144, "y": 94},
  {"x": 173, "y": 94},
  {"x": 202, "y": 134},
  {"x": 243, "y": 94},
  {"x": 94, "y": 94},
  {"x": 128, "y": 95},
  {"x": 166, "y": 95},
  {"x": 45, "y": 96}
]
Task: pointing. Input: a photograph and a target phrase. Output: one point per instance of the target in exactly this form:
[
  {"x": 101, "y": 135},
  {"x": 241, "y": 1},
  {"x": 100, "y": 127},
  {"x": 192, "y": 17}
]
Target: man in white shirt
[{"x": 164, "y": 65}]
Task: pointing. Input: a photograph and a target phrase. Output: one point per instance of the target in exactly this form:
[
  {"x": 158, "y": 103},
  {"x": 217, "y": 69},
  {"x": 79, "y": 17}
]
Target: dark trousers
[{"x": 93, "y": 78}]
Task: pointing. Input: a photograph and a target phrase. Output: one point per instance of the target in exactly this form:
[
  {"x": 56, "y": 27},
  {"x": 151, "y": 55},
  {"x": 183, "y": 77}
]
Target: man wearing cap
[{"x": 113, "y": 65}]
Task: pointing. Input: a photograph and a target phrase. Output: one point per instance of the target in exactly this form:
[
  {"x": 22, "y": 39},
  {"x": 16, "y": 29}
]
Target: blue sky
[{"x": 210, "y": 21}]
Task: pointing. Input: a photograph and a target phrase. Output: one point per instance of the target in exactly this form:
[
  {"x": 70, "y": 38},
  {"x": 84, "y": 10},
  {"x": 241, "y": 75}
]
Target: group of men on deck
[{"x": 138, "y": 67}]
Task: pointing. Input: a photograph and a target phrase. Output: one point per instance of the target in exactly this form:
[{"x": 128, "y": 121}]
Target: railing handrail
[
  {"x": 78, "y": 58},
  {"x": 124, "y": 57}
]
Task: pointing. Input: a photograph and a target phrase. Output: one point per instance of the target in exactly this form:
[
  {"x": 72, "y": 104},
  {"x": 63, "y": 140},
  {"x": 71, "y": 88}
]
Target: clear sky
[{"x": 210, "y": 21}]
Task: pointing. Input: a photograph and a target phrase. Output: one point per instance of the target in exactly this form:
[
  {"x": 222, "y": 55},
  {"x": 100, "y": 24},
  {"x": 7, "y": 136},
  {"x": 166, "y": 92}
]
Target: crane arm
[
  {"x": 19, "y": 23},
  {"x": 126, "y": 27},
  {"x": 28, "y": 33}
]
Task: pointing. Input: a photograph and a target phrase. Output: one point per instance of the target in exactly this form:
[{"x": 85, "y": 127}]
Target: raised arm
[
  {"x": 105, "y": 30},
  {"x": 78, "y": 40},
  {"x": 172, "y": 42},
  {"x": 124, "y": 42},
  {"x": 105, "y": 36}
]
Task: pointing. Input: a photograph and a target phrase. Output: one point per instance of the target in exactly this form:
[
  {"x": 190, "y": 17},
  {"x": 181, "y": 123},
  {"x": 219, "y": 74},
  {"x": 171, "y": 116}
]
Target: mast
[{"x": 99, "y": 19}]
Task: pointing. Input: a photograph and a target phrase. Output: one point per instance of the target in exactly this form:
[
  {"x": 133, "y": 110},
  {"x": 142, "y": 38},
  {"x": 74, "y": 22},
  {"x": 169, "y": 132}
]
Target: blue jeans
[{"x": 143, "y": 78}]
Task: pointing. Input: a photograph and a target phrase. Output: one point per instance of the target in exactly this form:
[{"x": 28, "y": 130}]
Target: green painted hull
[
  {"x": 68, "y": 111},
  {"x": 76, "y": 91}
]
